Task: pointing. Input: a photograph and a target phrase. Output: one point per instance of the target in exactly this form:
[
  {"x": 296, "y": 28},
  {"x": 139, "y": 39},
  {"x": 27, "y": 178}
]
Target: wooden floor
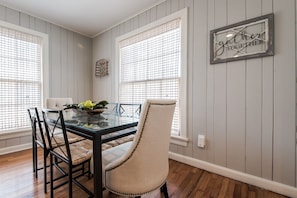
[{"x": 17, "y": 180}]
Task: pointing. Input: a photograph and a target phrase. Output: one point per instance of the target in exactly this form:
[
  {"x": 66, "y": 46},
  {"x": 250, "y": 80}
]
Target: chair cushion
[
  {"x": 111, "y": 155},
  {"x": 106, "y": 148},
  {"x": 74, "y": 138},
  {"x": 59, "y": 139},
  {"x": 114, "y": 153},
  {"x": 78, "y": 152},
  {"x": 121, "y": 140},
  {"x": 88, "y": 144}
]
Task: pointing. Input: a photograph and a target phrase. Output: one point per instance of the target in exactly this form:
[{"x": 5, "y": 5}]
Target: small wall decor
[
  {"x": 101, "y": 68},
  {"x": 248, "y": 39}
]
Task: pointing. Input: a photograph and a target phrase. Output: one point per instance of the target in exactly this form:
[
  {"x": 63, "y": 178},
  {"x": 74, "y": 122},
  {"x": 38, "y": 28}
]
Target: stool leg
[
  {"x": 70, "y": 180},
  {"x": 51, "y": 177},
  {"x": 44, "y": 170},
  {"x": 34, "y": 156}
]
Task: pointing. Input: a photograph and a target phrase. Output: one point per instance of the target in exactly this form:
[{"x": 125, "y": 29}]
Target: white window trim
[
  {"x": 183, "y": 14},
  {"x": 44, "y": 71}
]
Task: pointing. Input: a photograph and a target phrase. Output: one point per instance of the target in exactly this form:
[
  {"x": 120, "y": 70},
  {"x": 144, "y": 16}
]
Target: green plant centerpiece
[{"x": 88, "y": 107}]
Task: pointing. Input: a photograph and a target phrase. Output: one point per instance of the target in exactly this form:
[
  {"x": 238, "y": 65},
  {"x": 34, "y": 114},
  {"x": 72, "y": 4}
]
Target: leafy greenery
[{"x": 88, "y": 105}]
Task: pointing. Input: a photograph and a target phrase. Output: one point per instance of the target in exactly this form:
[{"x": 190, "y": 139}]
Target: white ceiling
[{"x": 88, "y": 17}]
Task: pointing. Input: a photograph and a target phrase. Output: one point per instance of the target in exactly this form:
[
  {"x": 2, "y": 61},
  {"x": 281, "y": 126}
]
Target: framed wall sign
[
  {"x": 101, "y": 68},
  {"x": 248, "y": 39}
]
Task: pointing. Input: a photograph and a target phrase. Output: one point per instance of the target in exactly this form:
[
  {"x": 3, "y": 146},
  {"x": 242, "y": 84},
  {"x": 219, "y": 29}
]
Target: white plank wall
[
  {"x": 210, "y": 88},
  {"x": 245, "y": 108},
  {"x": 199, "y": 72},
  {"x": 70, "y": 63},
  {"x": 220, "y": 91},
  {"x": 284, "y": 93},
  {"x": 253, "y": 103},
  {"x": 267, "y": 106},
  {"x": 296, "y": 95},
  {"x": 236, "y": 98},
  {"x": 70, "y": 56}
]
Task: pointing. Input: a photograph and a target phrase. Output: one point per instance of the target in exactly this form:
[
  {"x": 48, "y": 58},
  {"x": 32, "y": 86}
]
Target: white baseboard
[
  {"x": 12, "y": 149},
  {"x": 243, "y": 177}
]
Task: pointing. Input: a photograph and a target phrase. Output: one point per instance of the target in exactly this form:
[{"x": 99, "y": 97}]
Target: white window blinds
[
  {"x": 150, "y": 66},
  {"x": 20, "y": 77}
]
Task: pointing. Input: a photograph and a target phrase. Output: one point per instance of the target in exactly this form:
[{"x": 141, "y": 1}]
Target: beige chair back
[
  {"x": 57, "y": 103},
  {"x": 144, "y": 167}
]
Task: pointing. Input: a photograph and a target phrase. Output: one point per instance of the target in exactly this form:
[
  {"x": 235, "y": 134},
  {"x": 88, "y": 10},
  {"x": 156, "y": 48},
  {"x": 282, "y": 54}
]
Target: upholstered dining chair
[
  {"x": 141, "y": 166},
  {"x": 57, "y": 103},
  {"x": 74, "y": 155}
]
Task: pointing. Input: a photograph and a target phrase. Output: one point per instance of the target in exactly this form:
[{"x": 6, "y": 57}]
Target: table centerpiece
[{"x": 88, "y": 107}]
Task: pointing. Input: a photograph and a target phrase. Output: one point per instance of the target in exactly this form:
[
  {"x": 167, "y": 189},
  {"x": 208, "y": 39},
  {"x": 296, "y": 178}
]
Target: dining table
[{"x": 100, "y": 129}]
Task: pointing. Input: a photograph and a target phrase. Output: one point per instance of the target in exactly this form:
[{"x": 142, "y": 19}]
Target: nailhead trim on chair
[
  {"x": 139, "y": 137},
  {"x": 138, "y": 194},
  {"x": 136, "y": 144}
]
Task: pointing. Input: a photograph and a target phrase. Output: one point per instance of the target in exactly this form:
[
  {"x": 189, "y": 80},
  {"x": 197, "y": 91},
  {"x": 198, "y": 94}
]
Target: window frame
[
  {"x": 182, "y": 139},
  {"x": 44, "y": 75}
]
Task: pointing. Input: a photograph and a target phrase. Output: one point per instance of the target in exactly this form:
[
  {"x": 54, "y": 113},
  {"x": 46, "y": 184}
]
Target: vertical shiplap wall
[
  {"x": 284, "y": 140},
  {"x": 70, "y": 56},
  {"x": 245, "y": 108},
  {"x": 70, "y": 59}
]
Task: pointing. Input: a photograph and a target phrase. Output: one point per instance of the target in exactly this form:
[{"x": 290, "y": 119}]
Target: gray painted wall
[
  {"x": 245, "y": 108},
  {"x": 70, "y": 58}
]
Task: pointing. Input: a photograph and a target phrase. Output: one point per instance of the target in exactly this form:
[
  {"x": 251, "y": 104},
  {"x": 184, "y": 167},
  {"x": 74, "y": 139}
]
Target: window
[
  {"x": 21, "y": 83},
  {"x": 152, "y": 65}
]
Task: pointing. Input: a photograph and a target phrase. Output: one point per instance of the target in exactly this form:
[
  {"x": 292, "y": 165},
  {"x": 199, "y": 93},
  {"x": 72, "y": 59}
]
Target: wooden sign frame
[{"x": 252, "y": 38}]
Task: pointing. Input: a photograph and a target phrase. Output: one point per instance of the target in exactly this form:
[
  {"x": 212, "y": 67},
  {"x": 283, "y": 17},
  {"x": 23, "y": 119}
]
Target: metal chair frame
[
  {"x": 132, "y": 109},
  {"x": 66, "y": 157},
  {"x": 38, "y": 139}
]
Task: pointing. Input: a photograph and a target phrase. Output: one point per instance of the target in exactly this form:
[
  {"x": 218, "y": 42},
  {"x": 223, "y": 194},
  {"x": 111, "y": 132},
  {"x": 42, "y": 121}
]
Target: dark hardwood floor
[{"x": 17, "y": 180}]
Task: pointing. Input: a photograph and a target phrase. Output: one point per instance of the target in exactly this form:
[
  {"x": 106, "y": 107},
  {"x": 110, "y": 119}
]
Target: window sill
[{"x": 181, "y": 141}]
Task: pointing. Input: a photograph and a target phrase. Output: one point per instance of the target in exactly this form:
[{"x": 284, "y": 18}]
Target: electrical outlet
[{"x": 201, "y": 141}]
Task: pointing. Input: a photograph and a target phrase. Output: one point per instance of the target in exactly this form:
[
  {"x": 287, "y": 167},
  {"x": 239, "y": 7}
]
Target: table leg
[{"x": 97, "y": 159}]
